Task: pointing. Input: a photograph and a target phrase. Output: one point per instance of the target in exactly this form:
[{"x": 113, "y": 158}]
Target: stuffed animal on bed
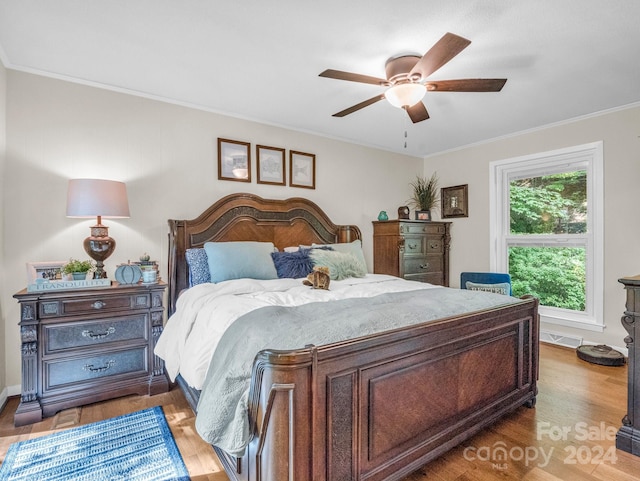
[{"x": 319, "y": 278}]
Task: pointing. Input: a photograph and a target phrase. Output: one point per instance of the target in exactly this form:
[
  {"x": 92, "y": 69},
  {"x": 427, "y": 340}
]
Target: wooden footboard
[{"x": 379, "y": 407}]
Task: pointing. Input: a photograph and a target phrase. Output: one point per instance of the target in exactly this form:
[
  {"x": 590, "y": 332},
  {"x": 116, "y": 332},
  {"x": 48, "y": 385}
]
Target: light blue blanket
[{"x": 222, "y": 417}]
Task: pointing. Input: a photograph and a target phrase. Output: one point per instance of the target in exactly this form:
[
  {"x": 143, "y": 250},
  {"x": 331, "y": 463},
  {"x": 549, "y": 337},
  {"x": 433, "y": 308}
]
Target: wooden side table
[
  {"x": 82, "y": 346},
  {"x": 628, "y": 436}
]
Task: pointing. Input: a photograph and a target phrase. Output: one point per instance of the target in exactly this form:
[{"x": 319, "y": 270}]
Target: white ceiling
[{"x": 260, "y": 59}]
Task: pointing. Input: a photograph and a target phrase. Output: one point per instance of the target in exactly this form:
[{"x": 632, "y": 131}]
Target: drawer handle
[
  {"x": 434, "y": 245},
  {"x": 413, "y": 246},
  {"x": 98, "y": 305},
  {"x": 424, "y": 266},
  {"x": 98, "y": 335},
  {"x": 90, "y": 368}
]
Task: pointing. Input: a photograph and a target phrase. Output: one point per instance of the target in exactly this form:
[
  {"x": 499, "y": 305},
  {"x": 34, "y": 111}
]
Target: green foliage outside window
[
  {"x": 555, "y": 275},
  {"x": 553, "y": 204}
]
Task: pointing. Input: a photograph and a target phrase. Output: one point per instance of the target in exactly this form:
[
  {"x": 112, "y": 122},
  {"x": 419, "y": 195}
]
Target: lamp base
[{"x": 99, "y": 246}]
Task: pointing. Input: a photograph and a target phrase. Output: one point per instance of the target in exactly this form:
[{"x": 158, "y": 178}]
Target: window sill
[{"x": 576, "y": 324}]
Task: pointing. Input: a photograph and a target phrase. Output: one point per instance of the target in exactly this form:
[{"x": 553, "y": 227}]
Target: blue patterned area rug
[{"x": 134, "y": 447}]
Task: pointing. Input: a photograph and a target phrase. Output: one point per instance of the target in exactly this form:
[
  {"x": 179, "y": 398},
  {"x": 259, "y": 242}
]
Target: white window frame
[{"x": 587, "y": 157}]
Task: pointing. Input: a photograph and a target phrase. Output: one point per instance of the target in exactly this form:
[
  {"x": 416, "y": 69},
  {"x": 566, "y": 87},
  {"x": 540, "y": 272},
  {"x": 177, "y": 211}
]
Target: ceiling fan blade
[
  {"x": 467, "y": 85},
  {"x": 417, "y": 113},
  {"x": 444, "y": 50},
  {"x": 353, "y": 77},
  {"x": 359, "y": 106}
]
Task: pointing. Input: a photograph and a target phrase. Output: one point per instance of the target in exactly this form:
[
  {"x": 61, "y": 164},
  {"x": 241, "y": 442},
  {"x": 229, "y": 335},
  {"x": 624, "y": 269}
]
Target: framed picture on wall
[
  {"x": 270, "y": 165},
  {"x": 302, "y": 169},
  {"x": 454, "y": 201},
  {"x": 234, "y": 160}
]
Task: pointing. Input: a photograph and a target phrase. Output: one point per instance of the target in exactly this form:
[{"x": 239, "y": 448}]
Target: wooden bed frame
[{"x": 372, "y": 408}]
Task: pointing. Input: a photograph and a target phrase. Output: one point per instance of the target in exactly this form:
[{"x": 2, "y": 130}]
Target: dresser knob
[
  {"x": 424, "y": 266},
  {"x": 98, "y": 305}
]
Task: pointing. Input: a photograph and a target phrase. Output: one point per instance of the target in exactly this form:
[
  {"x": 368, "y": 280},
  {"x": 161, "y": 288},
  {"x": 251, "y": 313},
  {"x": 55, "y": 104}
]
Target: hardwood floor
[{"x": 569, "y": 435}]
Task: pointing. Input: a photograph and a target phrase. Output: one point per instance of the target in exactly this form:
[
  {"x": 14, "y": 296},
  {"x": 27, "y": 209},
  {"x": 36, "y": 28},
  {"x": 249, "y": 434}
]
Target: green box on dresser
[
  {"x": 82, "y": 346},
  {"x": 415, "y": 250}
]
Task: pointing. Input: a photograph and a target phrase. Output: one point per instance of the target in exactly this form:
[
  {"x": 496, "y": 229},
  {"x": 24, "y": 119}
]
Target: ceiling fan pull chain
[{"x": 404, "y": 125}]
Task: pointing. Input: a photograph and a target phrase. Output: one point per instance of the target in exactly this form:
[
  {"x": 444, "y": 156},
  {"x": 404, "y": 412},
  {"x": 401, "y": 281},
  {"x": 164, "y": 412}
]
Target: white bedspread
[{"x": 205, "y": 311}]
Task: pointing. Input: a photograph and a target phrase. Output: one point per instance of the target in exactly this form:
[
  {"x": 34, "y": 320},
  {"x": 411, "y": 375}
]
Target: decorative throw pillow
[
  {"x": 500, "y": 288},
  {"x": 354, "y": 248},
  {"x": 238, "y": 260},
  {"x": 198, "y": 266},
  {"x": 341, "y": 264},
  {"x": 294, "y": 265}
]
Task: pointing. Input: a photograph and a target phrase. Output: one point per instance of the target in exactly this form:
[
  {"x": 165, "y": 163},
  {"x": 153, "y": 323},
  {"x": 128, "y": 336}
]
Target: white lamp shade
[
  {"x": 95, "y": 197},
  {"x": 405, "y": 95}
]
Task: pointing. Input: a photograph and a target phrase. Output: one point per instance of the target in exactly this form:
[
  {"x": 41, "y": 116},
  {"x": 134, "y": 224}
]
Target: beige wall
[
  {"x": 3, "y": 138},
  {"x": 620, "y": 133},
  {"x": 166, "y": 154}
]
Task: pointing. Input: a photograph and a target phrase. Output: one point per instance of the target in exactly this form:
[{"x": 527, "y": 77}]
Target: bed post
[
  {"x": 281, "y": 416},
  {"x": 348, "y": 233}
]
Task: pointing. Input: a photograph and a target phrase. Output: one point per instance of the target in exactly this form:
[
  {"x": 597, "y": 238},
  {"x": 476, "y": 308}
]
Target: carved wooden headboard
[{"x": 247, "y": 217}]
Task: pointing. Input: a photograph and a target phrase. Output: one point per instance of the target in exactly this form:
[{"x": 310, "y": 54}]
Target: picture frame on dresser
[
  {"x": 455, "y": 201},
  {"x": 302, "y": 169},
  {"x": 270, "y": 165},
  {"x": 234, "y": 160},
  {"x": 47, "y": 270}
]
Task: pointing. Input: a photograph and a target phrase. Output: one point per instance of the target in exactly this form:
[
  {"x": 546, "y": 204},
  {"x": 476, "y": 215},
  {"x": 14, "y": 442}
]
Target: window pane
[
  {"x": 550, "y": 204},
  {"x": 555, "y": 275}
]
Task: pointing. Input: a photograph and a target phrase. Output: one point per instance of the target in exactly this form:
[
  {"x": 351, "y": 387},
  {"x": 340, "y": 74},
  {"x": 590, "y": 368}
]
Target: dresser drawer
[
  {"x": 435, "y": 245},
  {"x": 72, "y": 335},
  {"x": 422, "y": 228},
  {"x": 66, "y": 372},
  {"x": 93, "y": 304},
  {"x": 413, "y": 246},
  {"x": 423, "y": 265},
  {"x": 436, "y": 278}
]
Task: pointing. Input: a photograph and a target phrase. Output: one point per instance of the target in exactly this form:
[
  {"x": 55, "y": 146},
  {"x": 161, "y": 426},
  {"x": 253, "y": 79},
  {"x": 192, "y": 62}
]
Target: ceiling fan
[{"x": 407, "y": 79}]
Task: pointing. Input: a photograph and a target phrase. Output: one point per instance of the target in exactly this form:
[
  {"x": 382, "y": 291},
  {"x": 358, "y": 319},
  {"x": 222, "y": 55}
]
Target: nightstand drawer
[
  {"x": 72, "y": 335},
  {"x": 67, "y": 372},
  {"x": 93, "y": 304},
  {"x": 423, "y": 265}
]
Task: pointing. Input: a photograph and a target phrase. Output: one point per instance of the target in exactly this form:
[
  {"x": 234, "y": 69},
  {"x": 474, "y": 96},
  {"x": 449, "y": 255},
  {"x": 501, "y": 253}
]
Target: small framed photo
[
  {"x": 44, "y": 271},
  {"x": 423, "y": 215},
  {"x": 234, "y": 160},
  {"x": 302, "y": 170},
  {"x": 455, "y": 201},
  {"x": 270, "y": 165}
]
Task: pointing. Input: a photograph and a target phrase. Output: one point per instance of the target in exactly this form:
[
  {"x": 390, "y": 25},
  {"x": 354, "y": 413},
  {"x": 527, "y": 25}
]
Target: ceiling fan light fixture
[{"x": 405, "y": 94}]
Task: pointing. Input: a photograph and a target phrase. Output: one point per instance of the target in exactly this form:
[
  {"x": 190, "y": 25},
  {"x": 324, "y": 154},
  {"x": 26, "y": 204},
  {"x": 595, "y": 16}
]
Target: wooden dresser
[
  {"x": 628, "y": 437},
  {"x": 86, "y": 345},
  {"x": 413, "y": 249}
]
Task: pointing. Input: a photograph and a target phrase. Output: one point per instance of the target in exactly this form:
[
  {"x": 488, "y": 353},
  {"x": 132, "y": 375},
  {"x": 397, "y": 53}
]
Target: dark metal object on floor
[{"x": 600, "y": 354}]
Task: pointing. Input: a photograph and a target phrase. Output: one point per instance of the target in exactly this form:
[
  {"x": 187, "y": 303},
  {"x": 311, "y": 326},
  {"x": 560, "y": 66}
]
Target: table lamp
[{"x": 98, "y": 198}]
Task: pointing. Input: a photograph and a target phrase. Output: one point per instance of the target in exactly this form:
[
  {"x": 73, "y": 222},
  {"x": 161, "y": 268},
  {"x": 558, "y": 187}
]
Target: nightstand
[{"x": 81, "y": 346}]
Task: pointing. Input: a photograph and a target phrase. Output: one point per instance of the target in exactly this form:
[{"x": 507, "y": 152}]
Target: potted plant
[
  {"x": 425, "y": 196},
  {"x": 77, "y": 269}
]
